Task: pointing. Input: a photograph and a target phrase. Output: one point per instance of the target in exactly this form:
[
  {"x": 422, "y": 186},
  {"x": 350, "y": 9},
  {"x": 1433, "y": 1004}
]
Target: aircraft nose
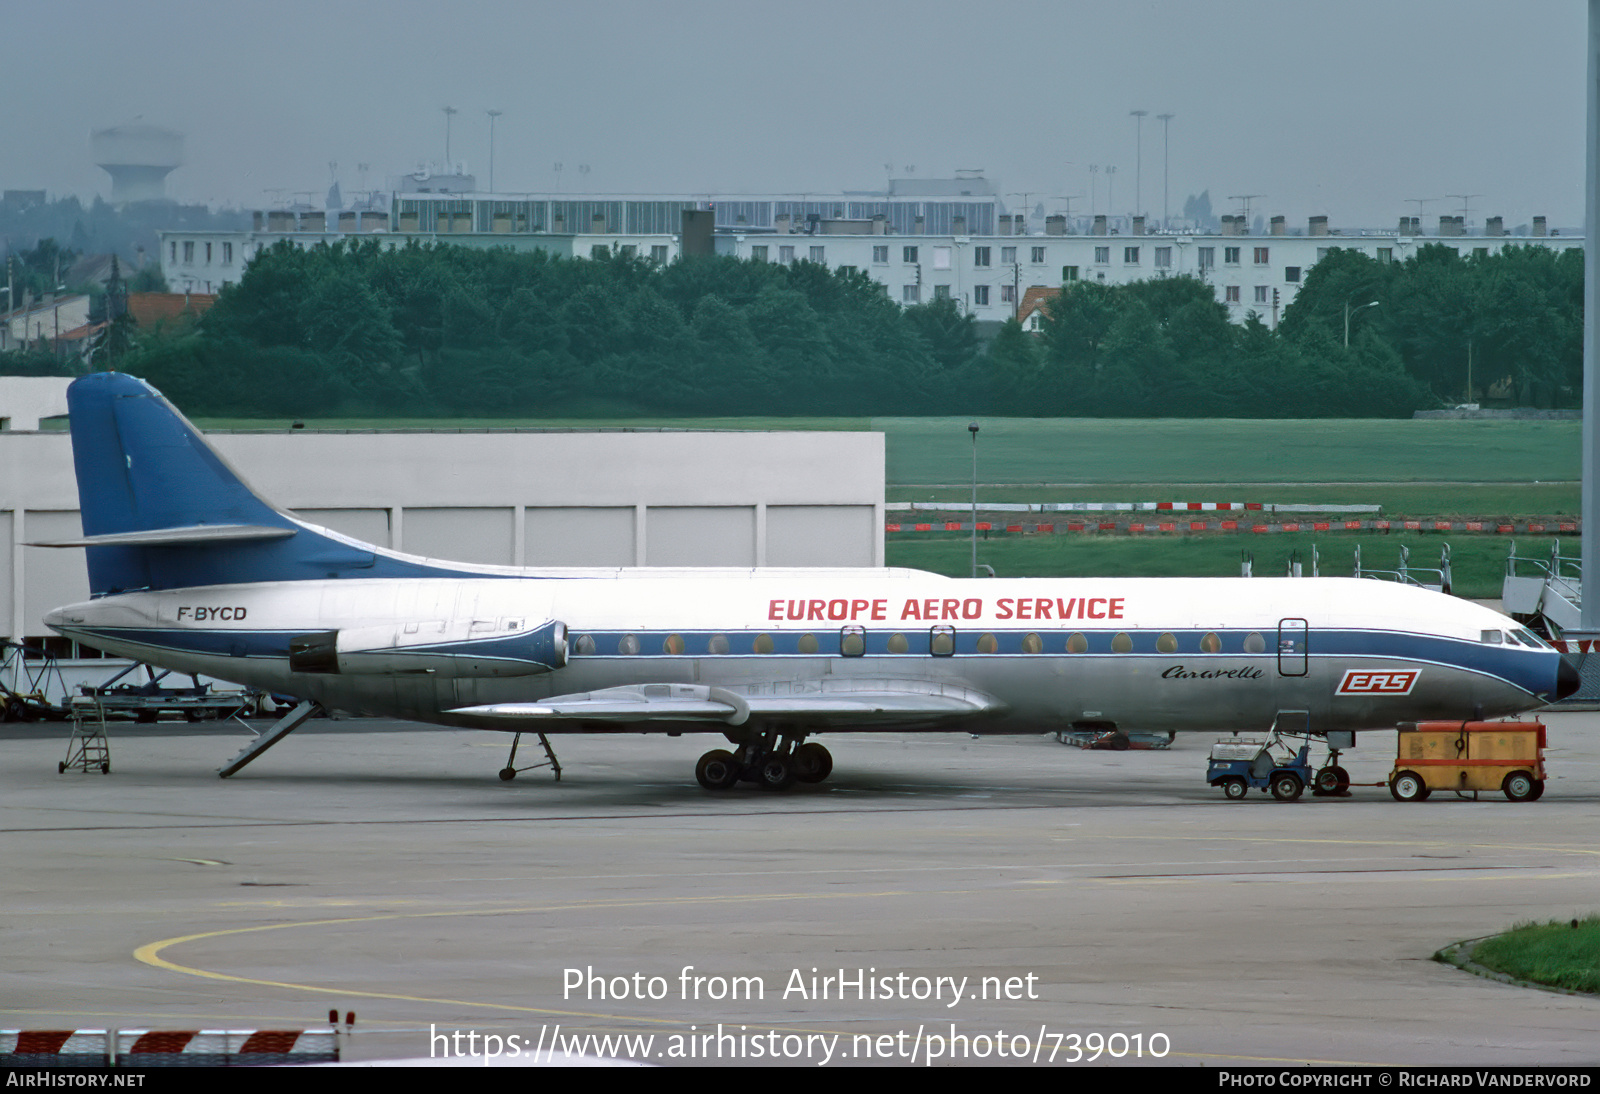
[{"x": 1567, "y": 680}]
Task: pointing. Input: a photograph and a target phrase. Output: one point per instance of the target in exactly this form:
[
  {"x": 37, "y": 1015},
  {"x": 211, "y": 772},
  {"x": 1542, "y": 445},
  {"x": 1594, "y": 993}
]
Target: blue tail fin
[{"x": 162, "y": 509}]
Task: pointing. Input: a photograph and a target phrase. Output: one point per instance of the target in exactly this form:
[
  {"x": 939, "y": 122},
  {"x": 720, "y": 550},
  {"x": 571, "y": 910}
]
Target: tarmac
[{"x": 940, "y": 899}]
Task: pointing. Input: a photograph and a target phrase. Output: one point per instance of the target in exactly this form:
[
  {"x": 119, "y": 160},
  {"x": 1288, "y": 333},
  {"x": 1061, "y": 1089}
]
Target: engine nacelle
[{"x": 470, "y": 650}]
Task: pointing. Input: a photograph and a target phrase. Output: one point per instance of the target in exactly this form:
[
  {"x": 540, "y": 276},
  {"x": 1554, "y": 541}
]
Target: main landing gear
[{"x": 771, "y": 761}]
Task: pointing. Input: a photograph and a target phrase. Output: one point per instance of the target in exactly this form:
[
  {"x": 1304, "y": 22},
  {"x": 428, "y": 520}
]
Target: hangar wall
[{"x": 511, "y": 497}]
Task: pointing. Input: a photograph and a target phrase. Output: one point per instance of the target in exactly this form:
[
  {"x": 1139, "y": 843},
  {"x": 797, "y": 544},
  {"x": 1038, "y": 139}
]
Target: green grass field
[
  {"x": 1562, "y": 954},
  {"x": 1477, "y": 562}
]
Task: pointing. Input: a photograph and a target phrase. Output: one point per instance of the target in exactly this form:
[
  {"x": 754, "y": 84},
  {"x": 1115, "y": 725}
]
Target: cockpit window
[
  {"x": 1494, "y": 638},
  {"x": 1532, "y": 640}
]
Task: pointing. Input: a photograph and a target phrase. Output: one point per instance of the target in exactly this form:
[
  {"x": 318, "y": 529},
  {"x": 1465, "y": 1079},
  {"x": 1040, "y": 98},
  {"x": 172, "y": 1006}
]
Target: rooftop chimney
[
  {"x": 1138, "y": 226},
  {"x": 1279, "y": 226},
  {"x": 1099, "y": 224},
  {"x": 1538, "y": 226},
  {"x": 1318, "y": 226},
  {"x": 1494, "y": 226},
  {"x": 1055, "y": 225}
]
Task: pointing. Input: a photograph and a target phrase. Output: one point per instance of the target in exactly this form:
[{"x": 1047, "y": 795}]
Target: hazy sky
[{"x": 1347, "y": 109}]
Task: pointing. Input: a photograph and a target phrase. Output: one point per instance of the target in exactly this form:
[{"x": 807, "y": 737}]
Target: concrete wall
[
  {"x": 26, "y": 399},
  {"x": 535, "y": 498}
]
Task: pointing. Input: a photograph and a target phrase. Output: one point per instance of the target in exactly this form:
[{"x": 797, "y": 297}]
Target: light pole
[
  {"x": 1166, "y": 216},
  {"x": 1347, "y": 311},
  {"x": 449, "y": 111},
  {"x": 1138, "y": 158},
  {"x": 973, "y": 429},
  {"x": 493, "y": 114}
]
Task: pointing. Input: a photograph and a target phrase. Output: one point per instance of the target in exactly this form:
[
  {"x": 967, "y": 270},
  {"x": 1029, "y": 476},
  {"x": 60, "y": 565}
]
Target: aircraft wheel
[
  {"x": 61, "y": 768},
  {"x": 507, "y": 774},
  {"x": 717, "y": 769},
  {"x": 105, "y": 768},
  {"x": 776, "y": 772},
  {"x": 812, "y": 763},
  {"x": 1287, "y": 788},
  {"x": 1519, "y": 786},
  {"x": 1235, "y": 789},
  {"x": 1408, "y": 786},
  {"x": 1333, "y": 780}
]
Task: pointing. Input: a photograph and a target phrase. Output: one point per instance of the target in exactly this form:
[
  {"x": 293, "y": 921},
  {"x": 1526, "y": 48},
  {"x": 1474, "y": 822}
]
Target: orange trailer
[{"x": 1469, "y": 756}]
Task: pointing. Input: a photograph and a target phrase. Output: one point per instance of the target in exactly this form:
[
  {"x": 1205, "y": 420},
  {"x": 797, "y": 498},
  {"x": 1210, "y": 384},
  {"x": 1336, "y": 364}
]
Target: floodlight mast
[{"x": 1589, "y": 606}]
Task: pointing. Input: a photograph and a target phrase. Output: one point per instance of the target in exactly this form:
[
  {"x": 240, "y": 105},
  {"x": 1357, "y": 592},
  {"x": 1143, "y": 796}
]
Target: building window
[
  {"x": 188, "y": 254},
  {"x": 599, "y": 250},
  {"x": 1038, "y": 256},
  {"x": 786, "y": 253},
  {"x": 1130, "y": 256},
  {"x": 1102, "y": 256},
  {"x": 1069, "y": 273},
  {"x": 1261, "y": 295},
  {"x": 1008, "y": 294},
  {"x": 1291, "y": 274},
  {"x": 1206, "y": 256},
  {"x": 980, "y": 295},
  {"x": 980, "y": 256},
  {"x": 941, "y": 292},
  {"x": 227, "y": 252},
  {"x": 658, "y": 253},
  {"x": 1261, "y": 255},
  {"x": 880, "y": 254},
  {"x": 629, "y": 250},
  {"x": 1008, "y": 256},
  {"x": 1230, "y": 256},
  {"x": 910, "y": 294},
  {"x": 758, "y": 254},
  {"x": 1385, "y": 254},
  {"x": 174, "y": 252},
  {"x": 1164, "y": 257},
  {"x": 1231, "y": 294},
  {"x": 208, "y": 254},
  {"x": 816, "y": 255},
  {"x": 908, "y": 254}
]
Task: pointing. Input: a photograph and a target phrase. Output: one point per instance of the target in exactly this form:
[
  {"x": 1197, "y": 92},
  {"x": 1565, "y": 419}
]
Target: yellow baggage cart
[{"x": 1469, "y": 757}]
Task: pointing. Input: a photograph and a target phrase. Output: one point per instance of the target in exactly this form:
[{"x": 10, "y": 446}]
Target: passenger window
[
  {"x": 808, "y": 643},
  {"x": 1167, "y": 643},
  {"x": 1032, "y": 643},
  {"x": 584, "y": 644},
  {"x": 673, "y": 645},
  {"x": 1077, "y": 643},
  {"x": 987, "y": 643},
  {"x": 852, "y": 641},
  {"x": 1254, "y": 643},
  {"x": 1210, "y": 644},
  {"x": 942, "y": 641},
  {"x": 629, "y": 644},
  {"x": 762, "y": 644},
  {"x": 1122, "y": 643},
  {"x": 898, "y": 644},
  {"x": 718, "y": 645}
]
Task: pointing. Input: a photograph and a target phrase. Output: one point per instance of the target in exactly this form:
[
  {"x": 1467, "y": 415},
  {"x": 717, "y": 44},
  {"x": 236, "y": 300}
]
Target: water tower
[{"x": 138, "y": 158}]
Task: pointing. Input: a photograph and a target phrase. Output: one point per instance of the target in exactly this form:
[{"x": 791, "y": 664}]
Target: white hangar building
[{"x": 669, "y": 498}]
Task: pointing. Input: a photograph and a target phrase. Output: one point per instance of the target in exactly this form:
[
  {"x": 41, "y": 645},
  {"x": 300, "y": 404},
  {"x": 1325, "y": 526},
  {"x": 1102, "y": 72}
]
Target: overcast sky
[{"x": 1348, "y": 109}]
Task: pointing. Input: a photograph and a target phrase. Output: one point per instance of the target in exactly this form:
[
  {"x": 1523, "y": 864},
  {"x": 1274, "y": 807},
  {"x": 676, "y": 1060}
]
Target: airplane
[{"x": 190, "y": 569}]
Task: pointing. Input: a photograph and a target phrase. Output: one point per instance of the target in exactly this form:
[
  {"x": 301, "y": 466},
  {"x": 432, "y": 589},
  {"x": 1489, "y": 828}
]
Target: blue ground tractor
[{"x": 1238, "y": 764}]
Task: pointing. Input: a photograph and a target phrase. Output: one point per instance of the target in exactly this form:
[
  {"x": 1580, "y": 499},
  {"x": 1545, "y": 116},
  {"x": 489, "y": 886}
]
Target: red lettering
[
  {"x": 838, "y": 609},
  {"x": 909, "y": 610},
  {"x": 880, "y": 609},
  {"x": 857, "y": 607},
  {"x": 1116, "y": 607},
  {"x": 930, "y": 609},
  {"x": 1093, "y": 613},
  {"x": 775, "y": 610},
  {"x": 1041, "y": 609},
  {"x": 1024, "y": 609},
  {"x": 952, "y": 609},
  {"x": 797, "y": 609},
  {"x": 971, "y": 609},
  {"x": 1003, "y": 608},
  {"x": 814, "y": 609}
]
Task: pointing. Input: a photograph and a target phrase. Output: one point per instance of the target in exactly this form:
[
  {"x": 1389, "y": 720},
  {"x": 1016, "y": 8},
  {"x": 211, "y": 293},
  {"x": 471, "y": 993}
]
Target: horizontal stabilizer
[
  {"x": 860, "y": 703},
  {"x": 191, "y": 536}
]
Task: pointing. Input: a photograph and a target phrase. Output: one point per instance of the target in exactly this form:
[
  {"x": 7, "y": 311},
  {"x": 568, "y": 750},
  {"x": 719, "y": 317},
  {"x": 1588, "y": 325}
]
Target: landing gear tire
[
  {"x": 1235, "y": 789},
  {"x": 1287, "y": 788},
  {"x": 1408, "y": 786},
  {"x": 507, "y": 774},
  {"x": 775, "y": 772},
  {"x": 717, "y": 769},
  {"x": 1519, "y": 786},
  {"x": 812, "y": 763},
  {"x": 1333, "y": 780}
]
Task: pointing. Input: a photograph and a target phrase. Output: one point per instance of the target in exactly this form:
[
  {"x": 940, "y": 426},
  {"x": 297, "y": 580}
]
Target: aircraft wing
[{"x": 862, "y": 704}]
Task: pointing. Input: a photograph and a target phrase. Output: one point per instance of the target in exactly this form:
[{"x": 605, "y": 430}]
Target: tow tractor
[{"x": 1265, "y": 763}]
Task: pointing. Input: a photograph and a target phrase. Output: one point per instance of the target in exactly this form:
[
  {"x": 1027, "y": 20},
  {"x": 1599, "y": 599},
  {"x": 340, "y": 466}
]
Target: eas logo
[{"x": 1366, "y": 682}]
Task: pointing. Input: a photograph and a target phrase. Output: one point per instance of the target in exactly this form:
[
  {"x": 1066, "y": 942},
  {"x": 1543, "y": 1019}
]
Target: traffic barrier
[{"x": 166, "y": 1048}]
